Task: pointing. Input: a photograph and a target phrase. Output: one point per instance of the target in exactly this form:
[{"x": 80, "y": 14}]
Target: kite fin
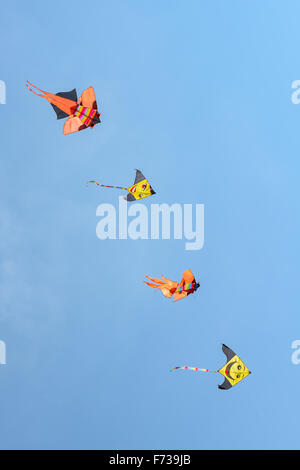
[
  {"x": 129, "y": 198},
  {"x": 68, "y": 95},
  {"x": 228, "y": 352},
  {"x": 226, "y": 385},
  {"x": 179, "y": 296},
  {"x": 88, "y": 98},
  {"x": 73, "y": 124}
]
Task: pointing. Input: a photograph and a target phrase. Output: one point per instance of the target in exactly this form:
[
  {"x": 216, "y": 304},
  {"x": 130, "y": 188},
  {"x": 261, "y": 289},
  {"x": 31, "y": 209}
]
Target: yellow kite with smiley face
[
  {"x": 234, "y": 370},
  {"x": 140, "y": 189}
]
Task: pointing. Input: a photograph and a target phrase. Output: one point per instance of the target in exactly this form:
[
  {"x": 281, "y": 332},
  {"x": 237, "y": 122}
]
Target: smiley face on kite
[
  {"x": 141, "y": 188},
  {"x": 234, "y": 370}
]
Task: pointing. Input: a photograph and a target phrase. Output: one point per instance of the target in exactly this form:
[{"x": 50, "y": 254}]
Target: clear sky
[{"x": 197, "y": 95}]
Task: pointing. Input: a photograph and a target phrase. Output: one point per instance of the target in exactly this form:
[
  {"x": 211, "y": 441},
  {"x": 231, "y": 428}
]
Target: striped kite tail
[
  {"x": 196, "y": 369},
  {"x": 105, "y": 185},
  {"x": 95, "y": 182}
]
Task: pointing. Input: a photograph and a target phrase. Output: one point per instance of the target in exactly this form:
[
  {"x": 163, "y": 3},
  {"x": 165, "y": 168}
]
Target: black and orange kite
[
  {"x": 185, "y": 287},
  {"x": 81, "y": 112}
]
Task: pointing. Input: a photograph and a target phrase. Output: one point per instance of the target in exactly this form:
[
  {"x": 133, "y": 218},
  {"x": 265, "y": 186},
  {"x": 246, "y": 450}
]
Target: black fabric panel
[
  {"x": 129, "y": 197},
  {"x": 59, "y": 113},
  {"x": 96, "y": 120},
  {"x": 139, "y": 177},
  {"x": 226, "y": 385},
  {"x": 69, "y": 95},
  {"x": 228, "y": 352}
]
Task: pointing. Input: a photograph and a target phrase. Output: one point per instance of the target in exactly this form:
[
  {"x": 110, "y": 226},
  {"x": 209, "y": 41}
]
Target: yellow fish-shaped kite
[
  {"x": 234, "y": 370},
  {"x": 139, "y": 190}
]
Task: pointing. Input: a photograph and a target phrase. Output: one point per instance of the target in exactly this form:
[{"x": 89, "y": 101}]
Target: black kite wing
[{"x": 69, "y": 95}]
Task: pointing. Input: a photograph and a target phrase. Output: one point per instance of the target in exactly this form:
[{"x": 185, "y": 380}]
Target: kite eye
[
  {"x": 239, "y": 367},
  {"x": 238, "y": 376}
]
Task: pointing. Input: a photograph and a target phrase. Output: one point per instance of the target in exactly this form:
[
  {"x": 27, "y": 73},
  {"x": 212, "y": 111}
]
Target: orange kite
[
  {"x": 81, "y": 113},
  {"x": 187, "y": 285}
]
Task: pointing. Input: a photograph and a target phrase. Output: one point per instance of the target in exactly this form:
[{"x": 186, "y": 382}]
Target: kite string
[{"x": 196, "y": 369}]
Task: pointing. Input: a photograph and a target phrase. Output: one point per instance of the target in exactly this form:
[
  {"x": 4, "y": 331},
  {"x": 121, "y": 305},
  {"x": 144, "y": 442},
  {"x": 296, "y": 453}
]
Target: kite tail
[
  {"x": 197, "y": 369},
  {"x": 154, "y": 286},
  {"x": 52, "y": 96},
  {"x": 154, "y": 279},
  {"x": 66, "y": 105},
  {"x": 37, "y": 94},
  {"x": 31, "y": 84},
  {"x": 105, "y": 186}
]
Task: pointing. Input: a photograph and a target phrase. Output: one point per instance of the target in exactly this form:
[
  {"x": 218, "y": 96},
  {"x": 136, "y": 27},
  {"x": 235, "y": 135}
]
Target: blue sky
[{"x": 198, "y": 96}]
